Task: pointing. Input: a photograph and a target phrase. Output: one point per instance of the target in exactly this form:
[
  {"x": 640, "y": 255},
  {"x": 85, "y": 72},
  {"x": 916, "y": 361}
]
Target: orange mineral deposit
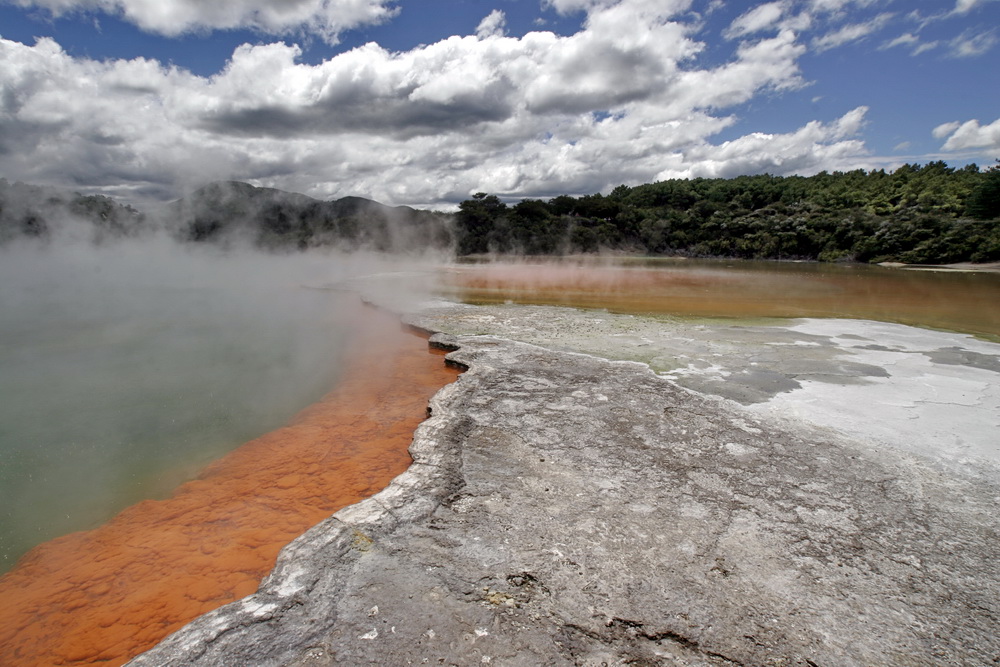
[{"x": 101, "y": 597}]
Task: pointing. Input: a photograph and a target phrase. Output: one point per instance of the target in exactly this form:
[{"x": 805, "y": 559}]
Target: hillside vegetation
[
  {"x": 226, "y": 213},
  {"x": 35, "y": 212},
  {"x": 230, "y": 211},
  {"x": 929, "y": 214}
]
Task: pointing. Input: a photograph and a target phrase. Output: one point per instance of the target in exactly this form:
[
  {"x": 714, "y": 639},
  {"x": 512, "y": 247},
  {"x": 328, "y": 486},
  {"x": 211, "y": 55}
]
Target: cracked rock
[{"x": 570, "y": 510}]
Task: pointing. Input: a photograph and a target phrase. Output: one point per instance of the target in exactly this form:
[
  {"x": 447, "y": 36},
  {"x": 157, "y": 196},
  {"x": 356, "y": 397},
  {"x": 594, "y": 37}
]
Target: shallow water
[
  {"x": 103, "y": 596},
  {"x": 253, "y": 347},
  {"x": 124, "y": 370},
  {"x": 967, "y": 302}
]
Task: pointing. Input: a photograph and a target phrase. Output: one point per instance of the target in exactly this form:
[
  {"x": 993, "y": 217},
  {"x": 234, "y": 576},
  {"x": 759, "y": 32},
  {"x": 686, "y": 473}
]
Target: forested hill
[
  {"x": 917, "y": 214},
  {"x": 227, "y": 213},
  {"x": 273, "y": 219},
  {"x": 31, "y": 211}
]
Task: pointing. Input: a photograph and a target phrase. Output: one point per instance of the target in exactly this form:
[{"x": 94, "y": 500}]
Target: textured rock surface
[
  {"x": 934, "y": 393},
  {"x": 563, "y": 509}
]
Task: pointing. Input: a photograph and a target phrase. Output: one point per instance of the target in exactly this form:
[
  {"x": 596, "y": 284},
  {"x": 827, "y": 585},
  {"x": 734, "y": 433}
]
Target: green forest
[{"x": 931, "y": 214}]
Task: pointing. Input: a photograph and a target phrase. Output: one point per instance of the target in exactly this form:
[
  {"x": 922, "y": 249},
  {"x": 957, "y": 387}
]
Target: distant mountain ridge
[
  {"x": 229, "y": 211},
  {"x": 226, "y": 213},
  {"x": 39, "y": 212}
]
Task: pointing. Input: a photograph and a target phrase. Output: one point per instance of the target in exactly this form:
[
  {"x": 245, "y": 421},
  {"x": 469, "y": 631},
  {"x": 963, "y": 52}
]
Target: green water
[{"x": 123, "y": 371}]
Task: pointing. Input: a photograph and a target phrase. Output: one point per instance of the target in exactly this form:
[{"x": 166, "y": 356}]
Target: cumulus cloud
[
  {"x": 324, "y": 18},
  {"x": 943, "y": 130},
  {"x": 493, "y": 25},
  {"x": 970, "y": 134},
  {"x": 621, "y": 100},
  {"x": 807, "y": 150}
]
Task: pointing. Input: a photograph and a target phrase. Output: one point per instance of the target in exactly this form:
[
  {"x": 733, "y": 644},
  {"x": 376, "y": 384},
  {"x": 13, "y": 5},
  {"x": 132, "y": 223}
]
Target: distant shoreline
[{"x": 986, "y": 267}]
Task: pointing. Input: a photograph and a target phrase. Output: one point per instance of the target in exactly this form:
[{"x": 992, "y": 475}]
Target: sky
[{"x": 426, "y": 102}]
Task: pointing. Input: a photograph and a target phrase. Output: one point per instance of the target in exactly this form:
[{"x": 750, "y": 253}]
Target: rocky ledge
[{"x": 563, "y": 509}]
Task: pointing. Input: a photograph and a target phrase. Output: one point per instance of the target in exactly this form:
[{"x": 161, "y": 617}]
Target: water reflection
[{"x": 957, "y": 301}]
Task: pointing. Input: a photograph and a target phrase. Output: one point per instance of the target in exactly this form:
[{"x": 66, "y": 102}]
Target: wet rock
[
  {"x": 932, "y": 393},
  {"x": 564, "y": 509}
]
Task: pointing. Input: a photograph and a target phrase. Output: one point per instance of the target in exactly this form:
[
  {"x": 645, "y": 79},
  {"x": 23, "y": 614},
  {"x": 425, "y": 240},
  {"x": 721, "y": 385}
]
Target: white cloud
[
  {"x": 943, "y": 130},
  {"x": 660, "y": 7},
  {"x": 850, "y": 33},
  {"x": 971, "y": 44},
  {"x": 911, "y": 42},
  {"x": 570, "y": 6},
  {"x": 811, "y": 148},
  {"x": 493, "y": 25},
  {"x": 836, "y": 6},
  {"x": 970, "y": 134},
  {"x": 714, "y": 6},
  {"x": 622, "y": 100},
  {"x": 966, "y": 6},
  {"x": 757, "y": 19},
  {"x": 324, "y": 18},
  {"x": 906, "y": 39}
]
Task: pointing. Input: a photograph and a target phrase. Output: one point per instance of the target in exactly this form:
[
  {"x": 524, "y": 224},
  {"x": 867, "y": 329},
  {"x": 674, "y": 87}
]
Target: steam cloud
[{"x": 125, "y": 365}]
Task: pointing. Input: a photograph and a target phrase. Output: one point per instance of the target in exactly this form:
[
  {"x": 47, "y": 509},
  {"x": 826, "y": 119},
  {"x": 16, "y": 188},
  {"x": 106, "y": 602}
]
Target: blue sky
[{"x": 424, "y": 102}]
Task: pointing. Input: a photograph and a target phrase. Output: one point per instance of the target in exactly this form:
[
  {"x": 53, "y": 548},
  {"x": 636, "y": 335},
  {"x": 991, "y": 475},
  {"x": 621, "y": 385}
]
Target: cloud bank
[
  {"x": 628, "y": 98},
  {"x": 323, "y": 18}
]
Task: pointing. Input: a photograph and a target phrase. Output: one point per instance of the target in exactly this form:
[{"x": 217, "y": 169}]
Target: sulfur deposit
[{"x": 563, "y": 509}]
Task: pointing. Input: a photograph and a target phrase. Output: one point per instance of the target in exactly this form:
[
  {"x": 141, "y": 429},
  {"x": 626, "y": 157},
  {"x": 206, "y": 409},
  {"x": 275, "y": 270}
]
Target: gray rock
[{"x": 568, "y": 510}]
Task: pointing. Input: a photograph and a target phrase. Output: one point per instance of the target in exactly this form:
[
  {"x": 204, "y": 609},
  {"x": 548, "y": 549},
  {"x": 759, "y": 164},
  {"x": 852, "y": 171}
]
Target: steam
[{"x": 126, "y": 365}]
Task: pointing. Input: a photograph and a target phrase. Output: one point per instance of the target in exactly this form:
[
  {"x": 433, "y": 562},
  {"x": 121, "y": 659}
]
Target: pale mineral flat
[
  {"x": 933, "y": 393},
  {"x": 601, "y": 489}
]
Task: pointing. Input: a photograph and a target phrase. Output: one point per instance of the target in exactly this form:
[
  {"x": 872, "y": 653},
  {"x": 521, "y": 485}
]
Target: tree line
[
  {"x": 930, "y": 214},
  {"x": 927, "y": 214}
]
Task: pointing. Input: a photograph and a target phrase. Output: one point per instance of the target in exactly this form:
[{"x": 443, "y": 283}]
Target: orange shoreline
[{"x": 103, "y": 596}]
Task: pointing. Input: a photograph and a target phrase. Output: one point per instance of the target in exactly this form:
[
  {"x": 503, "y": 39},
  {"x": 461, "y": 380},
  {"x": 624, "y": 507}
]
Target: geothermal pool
[
  {"x": 122, "y": 375},
  {"x": 102, "y": 596},
  {"x": 237, "y": 350},
  {"x": 952, "y": 300},
  {"x": 127, "y": 371}
]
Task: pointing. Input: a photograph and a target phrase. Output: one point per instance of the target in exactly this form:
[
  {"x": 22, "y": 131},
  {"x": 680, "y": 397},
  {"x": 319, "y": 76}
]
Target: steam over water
[
  {"x": 124, "y": 369},
  {"x": 950, "y": 300}
]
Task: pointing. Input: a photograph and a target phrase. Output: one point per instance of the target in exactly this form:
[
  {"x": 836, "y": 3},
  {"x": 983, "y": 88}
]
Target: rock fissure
[{"x": 638, "y": 629}]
